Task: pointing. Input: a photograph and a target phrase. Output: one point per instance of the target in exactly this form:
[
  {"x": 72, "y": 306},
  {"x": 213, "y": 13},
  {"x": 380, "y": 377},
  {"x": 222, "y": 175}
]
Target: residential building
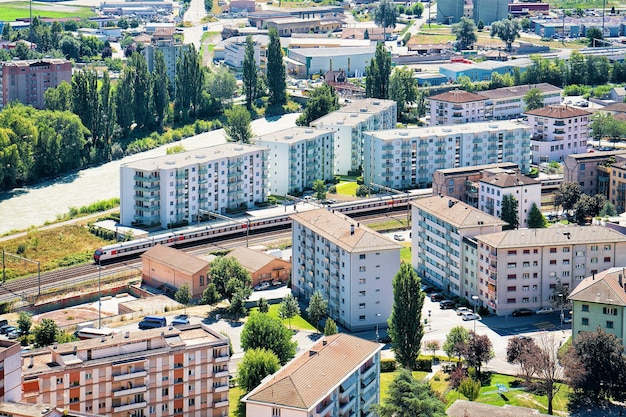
[
  {"x": 591, "y": 170},
  {"x": 262, "y": 266},
  {"x": 521, "y": 268},
  {"x": 348, "y": 263},
  {"x": 156, "y": 372},
  {"x": 172, "y": 190},
  {"x": 618, "y": 94},
  {"x": 349, "y": 123},
  {"x": 298, "y": 157},
  {"x": 235, "y": 51},
  {"x": 168, "y": 268},
  {"x": 558, "y": 131},
  {"x": 405, "y": 158},
  {"x": 489, "y": 11},
  {"x": 13, "y": 409},
  {"x": 170, "y": 50},
  {"x": 599, "y": 301},
  {"x": 27, "y": 80},
  {"x": 617, "y": 183},
  {"x": 525, "y": 190},
  {"x": 338, "y": 376},
  {"x": 456, "y": 107},
  {"x": 451, "y": 11},
  {"x": 462, "y": 183},
  {"x": 440, "y": 225},
  {"x": 508, "y": 102},
  {"x": 305, "y": 62},
  {"x": 10, "y": 371}
]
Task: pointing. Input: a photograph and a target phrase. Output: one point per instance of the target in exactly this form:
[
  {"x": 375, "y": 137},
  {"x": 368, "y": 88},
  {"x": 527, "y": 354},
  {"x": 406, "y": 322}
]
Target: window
[
  {"x": 362, "y": 318},
  {"x": 511, "y": 300},
  {"x": 511, "y": 276},
  {"x": 525, "y": 300},
  {"x": 526, "y": 276},
  {"x": 526, "y": 251},
  {"x": 60, "y": 380},
  {"x": 609, "y": 324},
  {"x": 362, "y": 293},
  {"x": 565, "y": 261},
  {"x": 88, "y": 375},
  {"x": 275, "y": 412},
  {"x": 594, "y": 248},
  {"x": 585, "y": 308},
  {"x": 607, "y": 247},
  {"x": 163, "y": 407},
  {"x": 512, "y": 265},
  {"x": 565, "y": 250},
  {"x": 525, "y": 288},
  {"x": 165, "y": 391},
  {"x": 192, "y": 402},
  {"x": 607, "y": 259},
  {"x": 361, "y": 280},
  {"x": 362, "y": 256},
  {"x": 361, "y": 269},
  {"x": 552, "y": 261},
  {"x": 594, "y": 260},
  {"x": 609, "y": 311},
  {"x": 512, "y": 252},
  {"x": 552, "y": 250},
  {"x": 361, "y": 305},
  {"x": 525, "y": 264},
  {"x": 511, "y": 289}
]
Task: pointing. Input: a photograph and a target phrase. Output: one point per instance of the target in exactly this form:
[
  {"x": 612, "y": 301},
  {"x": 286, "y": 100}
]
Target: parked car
[
  {"x": 180, "y": 320},
  {"x": 567, "y": 319},
  {"x": 545, "y": 310},
  {"x": 262, "y": 286},
  {"x": 398, "y": 237},
  {"x": 522, "y": 312},
  {"x": 462, "y": 310},
  {"x": 427, "y": 289},
  {"x": 384, "y": 339},
  {"x": 152, "y": 322},
  {"x": 446, "y": 305},
  {"x": 8, "y": 329},
  {"x": 436, "y": 297},
  {"x": 13, "y": 334},
  {"x": 471, "y": 316}
]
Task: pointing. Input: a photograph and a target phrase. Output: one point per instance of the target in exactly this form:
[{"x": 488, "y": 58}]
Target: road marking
[{"x": 544, "y": 325}]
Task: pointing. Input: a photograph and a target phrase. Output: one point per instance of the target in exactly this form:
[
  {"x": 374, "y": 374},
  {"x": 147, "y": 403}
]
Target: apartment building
[
  {"x": 338, "y": 376},
  {"x": 404, "y": 158},
  {"x": 440, "y": 224},
  {"x": 493, "y": 188},
  {"x": 170, "y": 50},
  {"x": 351, "y": 265},
  {"x": 558, "y": 131},
  {"x": 10, "y": 371},
  {"x": 298, "y": 157},
  {"x": 235, "y": 51},
  {"x": 591, "y": 170},
  {"x": 456, "y": 107},
  {"x": 158, "y": 372},
  {"x": 617, "y": 183},
  {"x": 462, "y": 183},
  {"x": 508, "y": 102},
  {"x": 350, "y": 122},
  {"x": 599, "y": 301},
  {"x": 521, "y": 268},
  {"x": 173, "y": 190},
  {"x": 27, "y": 80}
]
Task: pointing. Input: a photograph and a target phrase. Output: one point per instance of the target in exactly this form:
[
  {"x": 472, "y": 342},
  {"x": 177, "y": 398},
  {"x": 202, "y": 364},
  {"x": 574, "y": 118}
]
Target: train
[{"x": 247, "y": 225}]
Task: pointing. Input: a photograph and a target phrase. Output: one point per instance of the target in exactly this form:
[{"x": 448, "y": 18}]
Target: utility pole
[
  {"x": 393, "y": 190},
  {"x": 245, "y": 223}
]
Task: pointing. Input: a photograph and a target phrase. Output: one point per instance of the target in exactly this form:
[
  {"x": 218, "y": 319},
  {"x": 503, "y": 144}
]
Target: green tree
[
  {"x": 85, "y": 98},
  {"x": 276, "y": 83},
  {"x": 319, "y": 186},
  {"x": 510, "y": 212},
  {"x": 536, "y": 220},
  {"x": 222, "y": 85},
  {"x": 317, "y": 309},
  {"x": 256, "y": 365},
  {"x": 432, "y": 346},
  {"x": 70, "y": 47},
  {"x": 480, "y": 25},
  {"x": 478, "y": 350},
  {"x": 567, "y": 195},
  {"x": 24, "y": 322},
  {"x": 403, "y": 88},
  {"x": 465, "y": 32},
  {"x": 210, "y": 295},
  {"x": 386, "y": 16},
  {"x": 228, "y": 276},
  {"x": 330, "y": 328},
  {"x": 507, "y": 30},
  {"x": 183, "y": 294},
  {"x": 521, "y": 351},
  {"x": 456, "y": 339},
  {"x": 533, "y": 99},
  {"x": 59, "y": 98},
  {"x": 407, "y": 397},
  {"x": 405, "y": 323},
  {"x": 469, "y": 388},
  {"x": 322, "y": 100},
  {"x": 249, "y": 75},
  {"x": 189, "y": 82},
  {"x": 237, "y": 306},
  {"x": 238, "y": 126},
  {"x": 106, "y": 119},
  {"x": 124, "y": 113},
  {"x": 160, "y": 89},
  {"x": 577, "y": 68},
  {"x": 141, "y": 89},
  {"x": 288, "y": 308},
  {"x": 262, "y": 331},
  {"x": 378, "y": 72},
  {"x": 592, "y": 35},
  {"x": 608, "y": 210},
  {"x": 46, "y": 333},
  {"x": 263, "y": 305}
]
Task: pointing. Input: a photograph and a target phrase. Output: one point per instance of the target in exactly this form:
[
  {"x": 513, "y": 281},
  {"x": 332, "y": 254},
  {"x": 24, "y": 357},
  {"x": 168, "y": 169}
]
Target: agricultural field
[{"x": 20, "y": 9}]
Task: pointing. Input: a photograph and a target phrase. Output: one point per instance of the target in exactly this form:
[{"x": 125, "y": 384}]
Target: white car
[
  {"x": 471, "y": 316},
  {"x": 545, "y": 310},
  {"x": 462, "y": 310},
  {"x": 262, "y": 286},
  {"x": 398, "y": 237}
]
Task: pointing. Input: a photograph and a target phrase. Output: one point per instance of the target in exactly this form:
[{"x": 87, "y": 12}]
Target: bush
[
  {"x": 456, "y": 376},
  {"x": 388, "y": 365},
  {"x": 425, "y": 365},
  {"x": 332, "y": 189}
]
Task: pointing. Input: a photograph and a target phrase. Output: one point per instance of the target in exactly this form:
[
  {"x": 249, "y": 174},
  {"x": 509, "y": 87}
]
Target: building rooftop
[
  {"x": 477, "y": 168},
  {"x": 558, "y": 112},
  {"x": 615, "y": 107},
  {"x": 35, "y": 62},
  {"x": 251, "y": 259},
  {"x": 198, "y": 156},
  {"x": 456, "y": 212},
  {"x": 341, "y": 117},
  {"x": 458, "y": 96},
  {"x": 552, "y": 236},
  {"x": 606, "y": 287},
  {"x": 600, "y": 155},
  {"x": 428, "y": 131},
  {"x": 324, "y": 52},
  {"x": 519, "y": 91},
  {"x": 344, "y": 231},
  {"x": 175, "y": 259},
  {"x": 291, "y": 135},
  {"x": 307, "y": 379},
  {"x": 368, "y": 105},
  {"x": 509, "y": 178}
]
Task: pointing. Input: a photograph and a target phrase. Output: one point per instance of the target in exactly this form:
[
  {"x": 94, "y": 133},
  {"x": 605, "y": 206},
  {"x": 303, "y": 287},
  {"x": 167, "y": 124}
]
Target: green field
[
  {"x": 20, "y": 9},
  {"x": 297, "y": 323},
  {"x": 347, "y": 188}
]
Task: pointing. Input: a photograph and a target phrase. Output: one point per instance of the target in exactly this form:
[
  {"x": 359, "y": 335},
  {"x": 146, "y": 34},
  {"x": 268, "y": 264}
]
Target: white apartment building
[
  {"x": 404, "y": 158},
  {"x": 350, "y": 122},
  {"x": 157, "y": 372},
  {"x": 298, "y": 156},
  {"x": 456, "y": 107},
  {"x": 508, "y": 102},
  {"x": 171, "y": 190},
  {"x": 525, "y": 190},
  {"x": 439, "y": 226},
  {"x": 235, "y": 51},
  {"x": 338, "y": 376},
  {"x": 351, "y": 265},
  {"x": 521, "y": 268},
  {"x": 558, "y": 131}
]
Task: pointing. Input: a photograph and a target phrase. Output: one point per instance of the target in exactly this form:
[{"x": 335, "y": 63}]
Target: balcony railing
[{"x": 129, "y": 391}]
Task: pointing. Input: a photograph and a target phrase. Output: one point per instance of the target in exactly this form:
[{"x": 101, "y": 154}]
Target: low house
[
  {"x": 262, "y": 267},
  {"x": 618, "y": 94}
]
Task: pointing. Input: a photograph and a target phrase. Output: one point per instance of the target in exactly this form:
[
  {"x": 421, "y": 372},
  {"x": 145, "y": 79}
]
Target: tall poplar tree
[
  {"x": 141, "y": 89},
  {"x": 189, "y": 82},
  {"x": 249, "y": 77},
  {"x": 378, "y": 72},
  {"x": 276, "y": 83},
  {"x": 160, "y": 88},
  {"x": 124, "y": 101},
  {"x": 106, "y": 116},
  {"x": 405, "y": 323}
]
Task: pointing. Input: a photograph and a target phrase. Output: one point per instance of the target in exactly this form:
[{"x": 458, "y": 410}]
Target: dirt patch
[{"x": 69, "y": 316}]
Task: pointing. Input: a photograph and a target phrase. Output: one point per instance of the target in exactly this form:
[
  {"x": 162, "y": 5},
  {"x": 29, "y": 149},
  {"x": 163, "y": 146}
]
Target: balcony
[
  {"x": 343, "y": 407},
  {"x": 219, "y": 404},
  {"x": 221, "y": 388},
  {"x": 220, "y": 359},
  {"x": 146, "y": 187},
  {"x": 123, "y": 377},
  {"x": 149, "y": 178},
  {"x": 131, "y": 406},
  {"x": 327, "y": 408},
  {"x": 129, "y": 391},
  {"x": 221, "y": 374}
]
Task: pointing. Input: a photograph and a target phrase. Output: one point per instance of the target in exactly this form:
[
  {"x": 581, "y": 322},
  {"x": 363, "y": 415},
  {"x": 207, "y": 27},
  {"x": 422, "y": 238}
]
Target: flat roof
[
  {"x": 426, "y": 131},
  {"x": 343, "y": 51},
  {"x": 566, "y": 235},
  {"x": 291, "y": 135}
]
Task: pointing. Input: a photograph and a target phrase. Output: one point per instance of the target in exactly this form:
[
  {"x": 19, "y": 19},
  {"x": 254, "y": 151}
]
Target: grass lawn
[
  {"x": 19, "y": 9},
  {"x": 387, "y": 377},
  {"x": 297, "y": 323},
  {"x": 347, "y": 188},
  {"x": 234, "y": 394},
  {"x": 390, "y": 225},
  {"x": 405, "y": 253}
]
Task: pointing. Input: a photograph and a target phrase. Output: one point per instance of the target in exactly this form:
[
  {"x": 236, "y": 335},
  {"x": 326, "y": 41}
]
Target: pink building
[{"x": 27, "y": 80}]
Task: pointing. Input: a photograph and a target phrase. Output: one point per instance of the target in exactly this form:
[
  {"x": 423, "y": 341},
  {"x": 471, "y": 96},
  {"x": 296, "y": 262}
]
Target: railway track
[{"x": 29, "y": 288}]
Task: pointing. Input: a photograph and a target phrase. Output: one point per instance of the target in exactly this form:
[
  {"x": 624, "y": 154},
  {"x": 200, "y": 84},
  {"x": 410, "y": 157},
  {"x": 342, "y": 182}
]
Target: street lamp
[
  {"x": 430, "y": 326},
  {"x": 377, "y": 316},
  {"x": 561, "y": 305},
  {"x": 475, "y": 299},
  {"x": 99, "y": 298}
]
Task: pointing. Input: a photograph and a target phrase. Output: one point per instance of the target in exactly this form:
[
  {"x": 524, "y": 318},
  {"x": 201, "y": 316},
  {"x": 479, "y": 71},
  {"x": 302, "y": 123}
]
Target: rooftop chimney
[
  {"x": 127, "y": 335},
  {"x": 351, "y": 229}
]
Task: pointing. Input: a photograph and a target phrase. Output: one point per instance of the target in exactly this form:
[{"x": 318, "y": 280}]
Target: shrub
[
  {"x": 425, "y": 365},
  {"x": 469, "y": 388},
  {"x": 388, "y": 365},
  {"x": 332, "y": 189}
]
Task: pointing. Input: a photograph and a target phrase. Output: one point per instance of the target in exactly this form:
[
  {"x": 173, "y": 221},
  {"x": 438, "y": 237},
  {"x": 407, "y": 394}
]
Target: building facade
[
  {"x": 305, "y": 62},
  {"x": 558, "y": 131},
  {"x": 338, "y": 376},
  {"x": 456, "y": 107},
  {"x": 521, "y": 268},
  {"x": 27, "y": 80},
  {"x": 591, "y": 170},
  {"x": 235, "y": 51},
  {"x": 157, "y": 372},
  {"x": 172, "y": 190},
  {"x": 351, "y": 265},
  {"x": 262, "y": 266},
  {"x": 170, "y": 50},
  {"x": 405, "y": 158},
  {"x": 439, "y": 226},
  {"x": 298, "y": 157},
  {"x": 10, "y": 371},
  {"x": 508, "y": 102}
]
